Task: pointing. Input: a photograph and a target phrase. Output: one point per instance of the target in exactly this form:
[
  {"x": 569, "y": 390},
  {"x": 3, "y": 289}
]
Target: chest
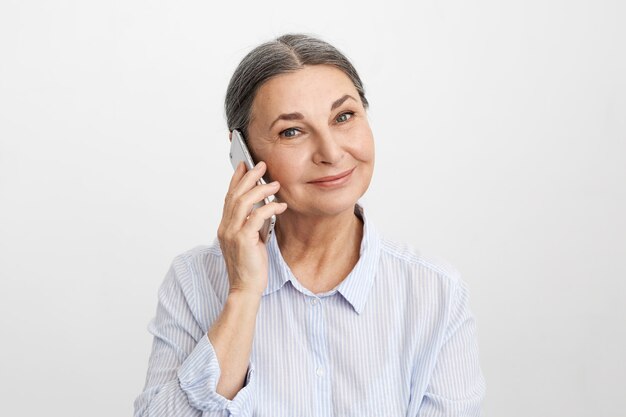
[{"x": 318, "y": 357}]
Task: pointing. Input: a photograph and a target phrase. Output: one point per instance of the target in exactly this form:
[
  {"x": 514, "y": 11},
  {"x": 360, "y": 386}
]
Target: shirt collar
[{"x": 354, "y": 288}]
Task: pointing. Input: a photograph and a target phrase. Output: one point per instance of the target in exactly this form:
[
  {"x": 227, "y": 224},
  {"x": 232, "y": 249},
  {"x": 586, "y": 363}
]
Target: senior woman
[{"x": 326, "y": 318}]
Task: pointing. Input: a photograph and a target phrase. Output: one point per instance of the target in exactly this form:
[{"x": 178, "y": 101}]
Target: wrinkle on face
[{"x": 318, "y": 93}]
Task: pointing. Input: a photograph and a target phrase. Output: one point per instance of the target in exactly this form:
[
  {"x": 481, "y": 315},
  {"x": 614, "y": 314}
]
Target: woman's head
[
  {"x": 301, "y": 107},
  {"x": 286, "y": 53}
]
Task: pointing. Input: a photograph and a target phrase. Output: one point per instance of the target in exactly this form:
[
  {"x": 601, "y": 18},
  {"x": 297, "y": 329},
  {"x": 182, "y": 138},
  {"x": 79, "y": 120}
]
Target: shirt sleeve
[
  {"x": 183, "y": 370},
  {"x": 457, "y": 385}
]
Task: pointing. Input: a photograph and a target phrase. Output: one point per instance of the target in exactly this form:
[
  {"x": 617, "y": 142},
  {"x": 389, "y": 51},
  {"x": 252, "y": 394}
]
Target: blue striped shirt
[{"x": 394, "y": 338}]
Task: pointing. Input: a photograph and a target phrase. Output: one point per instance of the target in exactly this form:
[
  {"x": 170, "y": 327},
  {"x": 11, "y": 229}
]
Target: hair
[{"x": 287, "y": 53}]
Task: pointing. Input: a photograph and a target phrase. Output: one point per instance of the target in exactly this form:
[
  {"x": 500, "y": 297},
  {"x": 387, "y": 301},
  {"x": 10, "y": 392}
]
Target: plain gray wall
[{"x": 501, "y": 147}]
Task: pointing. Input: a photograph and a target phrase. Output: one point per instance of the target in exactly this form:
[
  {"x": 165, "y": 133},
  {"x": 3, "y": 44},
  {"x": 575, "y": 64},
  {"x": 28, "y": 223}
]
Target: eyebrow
[{"x": 299, "y": 116}]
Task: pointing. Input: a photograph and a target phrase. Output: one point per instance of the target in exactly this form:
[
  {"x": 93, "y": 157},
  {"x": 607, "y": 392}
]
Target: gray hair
[{"x": 287, "y": 53}]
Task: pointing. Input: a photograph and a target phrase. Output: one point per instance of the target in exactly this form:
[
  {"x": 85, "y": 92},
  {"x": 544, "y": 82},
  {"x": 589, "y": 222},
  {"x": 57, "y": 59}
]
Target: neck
[{"x": 319, "y": 240}]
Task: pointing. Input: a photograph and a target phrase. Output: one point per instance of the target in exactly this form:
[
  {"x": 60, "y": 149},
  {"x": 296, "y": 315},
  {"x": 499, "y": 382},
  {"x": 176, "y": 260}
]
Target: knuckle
[
  {"x": 224, "y": 233},
  {"x": 228, "y": 237},
  {"x": 239, "y": 201}
]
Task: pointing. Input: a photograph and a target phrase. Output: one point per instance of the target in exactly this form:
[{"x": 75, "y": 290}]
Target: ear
[{"x": 230, "y": 136}]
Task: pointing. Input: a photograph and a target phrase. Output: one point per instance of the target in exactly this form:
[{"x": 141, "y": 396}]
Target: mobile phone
[{"x": 239, "y": 152}]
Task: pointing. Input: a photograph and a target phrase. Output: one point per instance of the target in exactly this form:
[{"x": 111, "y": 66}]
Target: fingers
[
  {"x": 239, "y": 173},
  {"x": 250, "y": 178},
  {"x": 243, "y": 193},
  {"x": 241, "y": 181},
  {"x": 258, "y": 216},
  {"x": 242, "y": 206}
]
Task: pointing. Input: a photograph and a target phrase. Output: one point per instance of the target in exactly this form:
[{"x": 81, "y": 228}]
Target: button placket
[{"x": 320, "y": 355}]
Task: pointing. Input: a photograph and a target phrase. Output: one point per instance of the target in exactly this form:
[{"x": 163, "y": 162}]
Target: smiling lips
[{"x": 333, "y": 180}]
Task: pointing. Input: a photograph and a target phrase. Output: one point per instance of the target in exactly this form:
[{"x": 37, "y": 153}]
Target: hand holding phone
[
  {"x": 239, "y": 152},
  {"x": 244, "y": 228}
]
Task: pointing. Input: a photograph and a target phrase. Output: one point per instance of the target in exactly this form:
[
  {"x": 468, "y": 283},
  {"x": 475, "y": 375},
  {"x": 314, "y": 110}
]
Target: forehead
[{"x": 306, "y": 90}]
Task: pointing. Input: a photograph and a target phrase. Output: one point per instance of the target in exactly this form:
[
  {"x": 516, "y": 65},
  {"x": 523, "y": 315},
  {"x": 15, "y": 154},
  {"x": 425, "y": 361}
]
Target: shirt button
[
  {"x": 319, "y": 372},
  {"x": 314, "y": 301}
]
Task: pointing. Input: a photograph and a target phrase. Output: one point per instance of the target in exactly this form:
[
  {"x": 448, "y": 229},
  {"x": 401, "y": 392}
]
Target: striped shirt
[{"x": 394, "y": 338}]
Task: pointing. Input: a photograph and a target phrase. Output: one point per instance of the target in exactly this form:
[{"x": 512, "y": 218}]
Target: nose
[{"x": 328, "y": 149}]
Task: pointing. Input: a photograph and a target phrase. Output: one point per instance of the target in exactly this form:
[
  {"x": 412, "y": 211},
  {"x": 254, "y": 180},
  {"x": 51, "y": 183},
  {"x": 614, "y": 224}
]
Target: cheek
[
  {"x": 284, "y": 167},
  {"x": 364, "y": 146}
]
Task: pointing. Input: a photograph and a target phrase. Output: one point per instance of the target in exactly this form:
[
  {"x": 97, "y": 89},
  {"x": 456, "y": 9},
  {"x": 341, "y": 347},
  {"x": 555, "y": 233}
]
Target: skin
[
  {"x": 317, "y": 231},
  {"x": 320, "y": 222}
]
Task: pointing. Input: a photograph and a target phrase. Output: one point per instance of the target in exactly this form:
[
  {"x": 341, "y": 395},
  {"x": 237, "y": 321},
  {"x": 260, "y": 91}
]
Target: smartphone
[{"x": 239, "y": 152}]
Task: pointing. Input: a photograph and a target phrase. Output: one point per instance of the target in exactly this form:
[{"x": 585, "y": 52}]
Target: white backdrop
[{"x": 501, "y": 147}]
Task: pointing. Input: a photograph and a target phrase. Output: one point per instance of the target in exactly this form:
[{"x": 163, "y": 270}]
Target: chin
[
  {"x": 334, "y": 205},
  {"x": 330, "y": 202}
]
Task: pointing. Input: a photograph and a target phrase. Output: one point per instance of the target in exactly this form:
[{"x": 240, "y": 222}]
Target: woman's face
[{"x": 311, "y": 130}]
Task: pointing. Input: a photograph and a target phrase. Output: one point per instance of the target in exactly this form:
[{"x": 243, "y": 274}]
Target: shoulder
[
  {"x": 202, "y": 252},
  {"x": 198, "y": 255},
  {"x": 426, "y": 285},
  {"x": 199, "y": 274},
  {"x": 404, "y": 261},
  {"x": 199, "y": 266}
]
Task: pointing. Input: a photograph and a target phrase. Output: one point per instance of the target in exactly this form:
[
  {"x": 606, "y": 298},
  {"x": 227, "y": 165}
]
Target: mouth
[{"x": 338, "y": 179}]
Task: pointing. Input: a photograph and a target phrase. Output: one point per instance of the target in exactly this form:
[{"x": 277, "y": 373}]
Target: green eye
[
  {"x": 344, "y": 116},
  {"x": 289, "y": 133}
]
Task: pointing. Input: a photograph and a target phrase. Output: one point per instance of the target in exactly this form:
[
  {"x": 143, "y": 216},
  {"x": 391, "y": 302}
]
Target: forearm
[{"x": 231, "y": 336}]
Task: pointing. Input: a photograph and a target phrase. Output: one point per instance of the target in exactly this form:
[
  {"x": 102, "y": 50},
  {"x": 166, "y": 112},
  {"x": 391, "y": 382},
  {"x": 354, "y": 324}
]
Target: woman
[{"x": 326, "y": 318}]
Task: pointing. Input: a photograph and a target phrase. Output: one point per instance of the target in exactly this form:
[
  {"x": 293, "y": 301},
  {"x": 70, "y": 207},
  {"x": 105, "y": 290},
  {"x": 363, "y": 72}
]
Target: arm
[
  {"x": 231, "y": 336},
  {"x": 191, "y": 372},
  {"x": 457, "y": 386},
  {"x": 184, "y": 368}
]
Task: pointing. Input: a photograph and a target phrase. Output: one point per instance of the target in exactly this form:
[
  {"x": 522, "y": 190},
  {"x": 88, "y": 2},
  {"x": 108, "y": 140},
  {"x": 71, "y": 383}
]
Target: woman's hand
[{"x": 244, "y": 252}]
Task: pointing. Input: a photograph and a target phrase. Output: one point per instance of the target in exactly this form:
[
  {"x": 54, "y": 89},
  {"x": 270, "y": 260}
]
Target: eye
[
  {"x": 289, "y": 133},
  {"x": 343, "y": 117}
]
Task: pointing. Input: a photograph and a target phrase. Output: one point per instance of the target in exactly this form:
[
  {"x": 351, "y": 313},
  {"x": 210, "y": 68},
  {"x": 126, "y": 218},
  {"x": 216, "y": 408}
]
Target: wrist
[
  {"x": 247, "y": 294},
  {"x": 238, "y": 297},
  {"x": 238, "y": 316}
]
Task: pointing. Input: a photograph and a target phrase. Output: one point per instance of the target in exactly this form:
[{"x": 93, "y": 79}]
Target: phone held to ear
[{"x": 239, "y": 152}]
